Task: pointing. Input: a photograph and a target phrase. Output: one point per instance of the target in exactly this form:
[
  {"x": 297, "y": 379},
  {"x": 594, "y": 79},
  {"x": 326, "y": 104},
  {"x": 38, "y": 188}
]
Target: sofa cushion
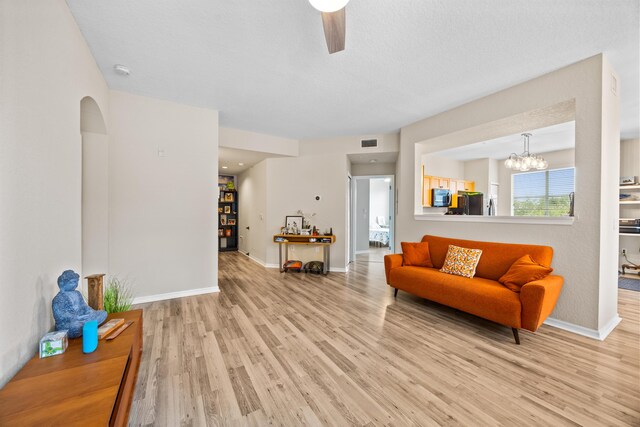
[
  {"x": 523, "y": 271},
  {"x": 478, "y": 296},
  {"x": 496, "y": 257},
  {"x": 461, "y": 261},
  {"x": 416, "y": 254}
]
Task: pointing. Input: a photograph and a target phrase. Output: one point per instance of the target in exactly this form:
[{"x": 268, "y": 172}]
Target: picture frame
[
  {"x": 220, "y": 232},
  {"x": 293, "y": 222},
  {"x": 227, "y": 209},
  {"x": 223, "y": 220},
  {"x": 227, "y": 232},
  {"x": 219, "y": 210},
  {"x": 231, "y": 221},
  {"x": 228, "y": 197}
]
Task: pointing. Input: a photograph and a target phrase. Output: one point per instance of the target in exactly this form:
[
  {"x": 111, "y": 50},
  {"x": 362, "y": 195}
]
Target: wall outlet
[{"x": 623, "y": 251}]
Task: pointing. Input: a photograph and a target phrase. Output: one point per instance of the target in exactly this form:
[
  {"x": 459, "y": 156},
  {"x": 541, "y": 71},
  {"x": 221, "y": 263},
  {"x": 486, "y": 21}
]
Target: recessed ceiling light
[
  {"x": 225, "y": 167},
  {"x": 121, "y": 69},
  {"x": 372, "y": 161},
  {"x": 240, "y": 164}
]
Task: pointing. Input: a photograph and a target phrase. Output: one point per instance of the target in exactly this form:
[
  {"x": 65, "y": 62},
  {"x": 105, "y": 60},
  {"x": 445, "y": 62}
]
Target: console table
[
  {"x": 74, "y": 388},
  {"x": 284, "y": 240}
]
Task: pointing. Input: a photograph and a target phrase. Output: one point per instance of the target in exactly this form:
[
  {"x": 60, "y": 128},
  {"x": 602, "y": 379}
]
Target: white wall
[
  {"x": 609, "y": 162},
  {"x": 557, "y": 160},
  {"x": 252, "y": 209},
  {"x": 588, "y": 238},
  {"x": 163, "y": 209},
  {"x": 378, "y": 200},
  {"x": 445, "y": 167},
  {"x": 363, "y": 192},
  {"x": 630, "y": 165},
  {"x": 95, "y": 203},
  {"x": 46, "y": 70},
  {"x": 630, "y": 157},
  {"x": 293, "y": 184},
  {"x": 372, "y": 169}
]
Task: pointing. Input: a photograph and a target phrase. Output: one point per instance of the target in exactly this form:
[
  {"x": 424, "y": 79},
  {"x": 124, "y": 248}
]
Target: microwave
[{"x": 440, "y": 198}]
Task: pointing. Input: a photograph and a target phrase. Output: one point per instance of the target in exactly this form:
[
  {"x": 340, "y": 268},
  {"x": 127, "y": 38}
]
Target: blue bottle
[{"x": 90, "y": 336}]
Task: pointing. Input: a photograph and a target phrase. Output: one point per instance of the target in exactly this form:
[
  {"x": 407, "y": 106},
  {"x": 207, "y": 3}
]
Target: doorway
[
  {"x": 95, "y": 195},
  {"x": 372, "y": 218}
]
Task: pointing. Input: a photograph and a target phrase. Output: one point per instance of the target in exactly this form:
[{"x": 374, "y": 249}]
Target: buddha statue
[{"x": 70, "y": 311}]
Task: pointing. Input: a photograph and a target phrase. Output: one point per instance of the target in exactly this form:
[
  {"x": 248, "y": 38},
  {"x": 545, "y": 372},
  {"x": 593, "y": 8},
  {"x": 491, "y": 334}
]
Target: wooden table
[
  {"x": 299, "y": 239},
  {"x": 75, "y": 388}
]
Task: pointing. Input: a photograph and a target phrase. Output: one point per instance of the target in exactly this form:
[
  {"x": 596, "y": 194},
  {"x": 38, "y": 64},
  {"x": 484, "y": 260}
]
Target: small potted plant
[{"x": 117, "y": 295}]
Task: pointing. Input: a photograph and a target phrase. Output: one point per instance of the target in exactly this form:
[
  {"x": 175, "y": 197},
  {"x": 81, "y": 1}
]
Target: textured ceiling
[
  {"x": 543, "y": 140},
  {"x": 264, "y": 63},
  {"x": 229, "y": 159}
]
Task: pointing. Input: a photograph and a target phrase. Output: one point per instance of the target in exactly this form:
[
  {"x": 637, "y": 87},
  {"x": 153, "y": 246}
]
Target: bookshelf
[
  {"x": 228, "y": 221},
  {"x": 227, "y": 217}
]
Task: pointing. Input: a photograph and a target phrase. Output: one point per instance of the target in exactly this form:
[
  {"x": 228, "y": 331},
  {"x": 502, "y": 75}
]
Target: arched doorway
[{"x": 95, "y": 194}]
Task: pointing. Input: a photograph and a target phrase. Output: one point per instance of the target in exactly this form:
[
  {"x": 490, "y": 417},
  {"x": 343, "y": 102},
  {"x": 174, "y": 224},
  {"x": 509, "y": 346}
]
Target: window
[{"x": 542, "y": 193}]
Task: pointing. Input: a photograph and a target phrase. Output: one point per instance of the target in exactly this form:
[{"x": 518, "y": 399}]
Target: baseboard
[
  {"x": 172, "y": 295},
  {"x": 254, "y": 259},
  {"x": 596, "y": 334}
]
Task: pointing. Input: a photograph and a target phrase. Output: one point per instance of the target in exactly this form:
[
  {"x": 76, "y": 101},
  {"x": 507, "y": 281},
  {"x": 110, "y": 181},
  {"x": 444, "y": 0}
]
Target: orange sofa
[{"x": 482, "y": 295}]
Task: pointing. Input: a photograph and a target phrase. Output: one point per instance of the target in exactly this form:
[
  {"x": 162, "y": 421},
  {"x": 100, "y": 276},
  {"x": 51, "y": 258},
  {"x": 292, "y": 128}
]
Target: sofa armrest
[
  {"x": 538, "y": 300},
  {"x": 390, "y": 262}
]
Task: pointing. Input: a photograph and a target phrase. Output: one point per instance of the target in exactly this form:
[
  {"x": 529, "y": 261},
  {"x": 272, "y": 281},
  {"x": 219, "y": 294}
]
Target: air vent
[{"x": 368, "y": 143}]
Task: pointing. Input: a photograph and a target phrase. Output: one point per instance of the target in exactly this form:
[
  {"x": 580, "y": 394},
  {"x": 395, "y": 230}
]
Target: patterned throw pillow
[{"x": 461, "y": 261}]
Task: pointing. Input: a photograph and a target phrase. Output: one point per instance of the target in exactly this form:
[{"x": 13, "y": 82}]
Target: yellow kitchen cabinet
[
  {"x": 459, "y": 185},
  {"x": 430, "y": 182},
  {"x": 465, "y": 185}
]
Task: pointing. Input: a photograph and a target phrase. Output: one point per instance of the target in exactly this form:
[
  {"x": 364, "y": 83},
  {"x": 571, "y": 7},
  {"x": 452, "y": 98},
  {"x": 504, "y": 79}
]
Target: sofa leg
[
  {"x": 516, "y": 335},
  {"x": 395, "y": 292}
]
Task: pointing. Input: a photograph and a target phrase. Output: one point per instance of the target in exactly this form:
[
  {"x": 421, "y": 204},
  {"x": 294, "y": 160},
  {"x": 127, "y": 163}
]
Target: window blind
[{"x": 542, "y": 193}]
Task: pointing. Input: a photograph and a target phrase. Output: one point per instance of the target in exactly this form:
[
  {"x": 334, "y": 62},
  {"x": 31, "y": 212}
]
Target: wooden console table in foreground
[
  {"x": 77, "y": 389},
  {"x": 299, "y": 239}
]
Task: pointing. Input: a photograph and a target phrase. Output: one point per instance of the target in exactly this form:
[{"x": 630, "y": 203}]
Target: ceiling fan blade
[{"x": 334, "y": 29}]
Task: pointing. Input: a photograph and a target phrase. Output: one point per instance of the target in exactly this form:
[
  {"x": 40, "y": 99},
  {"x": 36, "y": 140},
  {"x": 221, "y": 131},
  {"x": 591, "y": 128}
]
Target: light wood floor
[
  {"x": 373, "y": 254},
  {"x": 298, "y": 349}
]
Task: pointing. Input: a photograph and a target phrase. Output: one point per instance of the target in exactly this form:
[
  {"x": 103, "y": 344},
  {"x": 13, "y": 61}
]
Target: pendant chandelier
[{"x": 525, "y": 161}]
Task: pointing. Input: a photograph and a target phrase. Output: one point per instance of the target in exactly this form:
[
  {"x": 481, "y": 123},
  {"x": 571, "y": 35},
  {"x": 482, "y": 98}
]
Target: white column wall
[{"x": 580, "y": 249}]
